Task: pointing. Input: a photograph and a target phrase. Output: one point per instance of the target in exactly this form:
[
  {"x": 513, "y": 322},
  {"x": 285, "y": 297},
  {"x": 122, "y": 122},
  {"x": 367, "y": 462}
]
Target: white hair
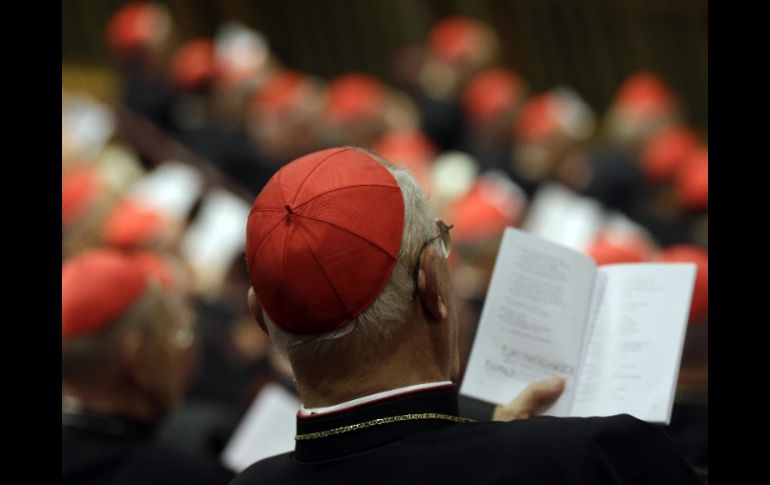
[{"x": 393, "y": 307}]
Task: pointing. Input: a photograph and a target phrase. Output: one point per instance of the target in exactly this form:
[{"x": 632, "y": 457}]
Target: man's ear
[
  {"x": 256, "y": 310},
  {"x": 428, "y": 287}
]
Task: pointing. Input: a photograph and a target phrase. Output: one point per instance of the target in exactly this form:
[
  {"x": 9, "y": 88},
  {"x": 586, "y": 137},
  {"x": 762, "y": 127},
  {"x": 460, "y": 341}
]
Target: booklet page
[
  {"x": 533, "y": 320},
  {"x": 633, "y": 356}
]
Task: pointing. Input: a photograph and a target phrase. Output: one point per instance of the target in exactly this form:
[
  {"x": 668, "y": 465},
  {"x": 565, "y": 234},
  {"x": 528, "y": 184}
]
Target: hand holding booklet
[{"x": 615, "y": 332}]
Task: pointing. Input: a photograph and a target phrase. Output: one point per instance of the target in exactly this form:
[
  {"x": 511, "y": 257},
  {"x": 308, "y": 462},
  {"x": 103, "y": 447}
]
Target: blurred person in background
[
  {"x": 643, "y": 104},
  {"x": 126, "y": 338},
  {"x": 212, "y": 81},
  {"x": 456, "y": 49},
  {"x": 283, "y": 116},
  {"x": 359, "y": 109},
  {"x": 491, "y": 102},
  {"x": 139, "y": 35},
  {"x": 349, "y": 277},
  {"x": 642, "y": 141},
  {"x": 549, "y": 136}
]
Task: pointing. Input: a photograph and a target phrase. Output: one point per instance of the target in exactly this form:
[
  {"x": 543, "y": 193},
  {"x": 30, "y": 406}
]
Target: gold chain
[{"x": 376, "y": 422}]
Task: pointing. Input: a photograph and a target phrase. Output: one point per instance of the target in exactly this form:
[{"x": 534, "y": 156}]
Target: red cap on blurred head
[
  {"x": 692, "y": 180},
  {"x": 538, "y": 120},
  {"x": 491, "y": 92},
  {"x": 322, "y": 239},
  {"x": 455, "y": 39},
  {"x": 98, "y": 286},
  {"x": 134, "y": 26},
  {"x": 192, "y": 65},
  {"x": 665, "y": 152},
  {"x": 281, "y": 93},
  {"x": 154, "y": 265},
  {"x": 491, "y": 205},
  {"x": 130, "y": 224},
  {"x": 644, "y": 94},
  {"x": 410, "y": 149},
  {"x": 618, "y": 247},
  {"x": 354, "y": 97},
  {"x": 685, "y": 253},
  {"x": 79, "y": 187}
]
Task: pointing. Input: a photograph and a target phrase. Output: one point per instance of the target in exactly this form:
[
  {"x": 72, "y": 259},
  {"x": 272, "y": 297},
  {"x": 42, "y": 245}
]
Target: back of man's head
[
  {"x": 121, "y": 330},
  {"x": 333, "y": 241}
]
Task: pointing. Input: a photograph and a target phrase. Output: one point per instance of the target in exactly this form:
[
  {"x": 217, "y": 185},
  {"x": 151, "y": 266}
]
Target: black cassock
[
  {"x": 545, "y": 450},
  {"x": 108, "y": 450}
]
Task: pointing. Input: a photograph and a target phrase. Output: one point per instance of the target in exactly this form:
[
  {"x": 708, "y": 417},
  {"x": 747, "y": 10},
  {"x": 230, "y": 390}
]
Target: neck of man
[{"x": 404, "y": 361}]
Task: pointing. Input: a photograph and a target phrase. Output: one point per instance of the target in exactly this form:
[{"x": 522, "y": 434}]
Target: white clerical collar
[{"x": 303, "y": 411}]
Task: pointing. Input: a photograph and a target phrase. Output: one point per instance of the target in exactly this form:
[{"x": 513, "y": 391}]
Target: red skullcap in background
[
  {"x": 617, "y": 247},
  {"x": 538, "y": 120},
  {"x": 692, "y": 180},
  {"x": 135, "y": 26},
  {"x": 281, "y": 93},
  {"x": 192, "y": 65},
  {"x": 154, "y": 265},
  {"x": 98, "y": 286},
  {"x": 130, "y": 224},
  {"x": 322, "y": 239},
  {"x": 644, "y": 95},
  {"x": 79, "y": 187},
  {"x": 685, "y": 253},
  {"x": 491, "y": 92},
  {"x": 455, "y": 39},
  {"x": 412, "y": 150},
  {"x": 354, "y": 97},
  {"x": 665, "y": 152},
  {"x": 484, "y": 212}
]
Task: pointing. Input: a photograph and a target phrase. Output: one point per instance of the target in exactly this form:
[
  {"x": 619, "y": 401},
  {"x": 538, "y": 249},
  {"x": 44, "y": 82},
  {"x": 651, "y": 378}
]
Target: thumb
[
  {"x": 542, "y": 393},
  {"x": 531, "y": 401}
]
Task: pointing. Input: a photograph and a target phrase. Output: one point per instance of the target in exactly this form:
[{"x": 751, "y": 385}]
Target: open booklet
[{"x": 615, "y": 332}]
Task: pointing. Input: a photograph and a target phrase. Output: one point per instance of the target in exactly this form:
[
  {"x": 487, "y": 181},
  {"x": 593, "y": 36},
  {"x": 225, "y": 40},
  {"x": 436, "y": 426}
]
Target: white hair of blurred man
[{"x": 452, "y": 176}]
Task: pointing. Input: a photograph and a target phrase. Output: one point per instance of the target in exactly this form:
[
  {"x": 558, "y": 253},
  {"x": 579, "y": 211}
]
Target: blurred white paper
[
  {"x": 267, "y": 429},
  {"x": 561, "y": 216},
  {"x": 632, "y": 360},
  {"x": 216, "y": 237},
  {"x": 171, "y": 188},
  {"x": 86, "y": 124}
]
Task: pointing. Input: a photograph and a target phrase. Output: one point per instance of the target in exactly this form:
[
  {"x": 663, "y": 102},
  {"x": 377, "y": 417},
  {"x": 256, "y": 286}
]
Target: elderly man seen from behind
[{"x": 349, "y": 277}]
